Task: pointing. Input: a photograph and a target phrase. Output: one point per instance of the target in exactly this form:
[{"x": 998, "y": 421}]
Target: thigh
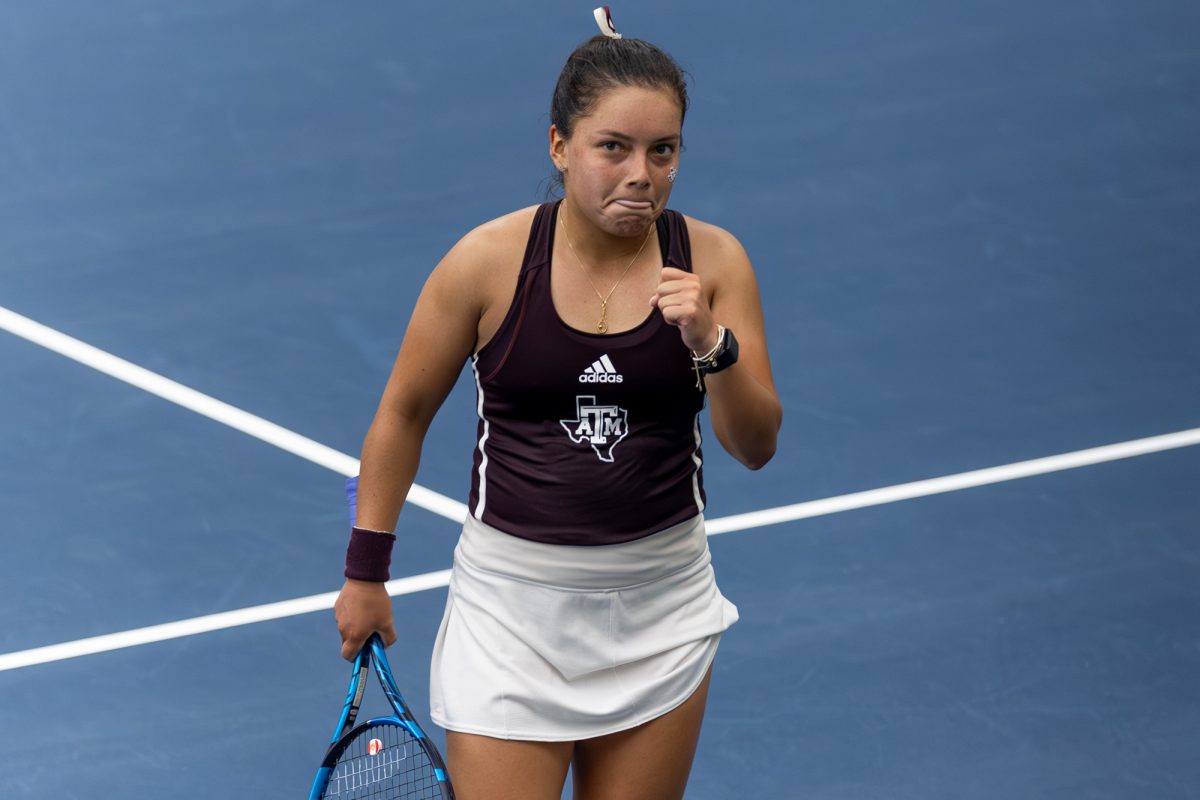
[
  {"x": 484, "y": 768},
  {"x": 649, "y": 762}
]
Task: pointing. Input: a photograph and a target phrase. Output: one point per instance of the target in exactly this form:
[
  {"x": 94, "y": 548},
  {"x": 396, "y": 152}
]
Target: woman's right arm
[{"x": 441, "y": 336}]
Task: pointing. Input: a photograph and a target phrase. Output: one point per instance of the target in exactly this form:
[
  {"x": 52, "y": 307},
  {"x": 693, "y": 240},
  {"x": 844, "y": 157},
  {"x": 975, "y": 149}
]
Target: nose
[{"x": 639, "y": 172}]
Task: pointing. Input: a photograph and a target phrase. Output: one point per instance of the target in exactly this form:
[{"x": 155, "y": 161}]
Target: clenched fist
[
  {"x": 681, "y": 299},
  {"x": 362, "y": 608}
]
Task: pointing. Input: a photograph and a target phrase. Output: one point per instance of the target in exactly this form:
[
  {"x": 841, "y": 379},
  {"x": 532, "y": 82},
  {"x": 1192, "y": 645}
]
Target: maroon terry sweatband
[{"x": 369, "y": 555}]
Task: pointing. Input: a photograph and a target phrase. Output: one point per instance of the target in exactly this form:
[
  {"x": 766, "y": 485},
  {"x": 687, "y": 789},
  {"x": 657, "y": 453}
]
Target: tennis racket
[{"x": 386, "y": 758}]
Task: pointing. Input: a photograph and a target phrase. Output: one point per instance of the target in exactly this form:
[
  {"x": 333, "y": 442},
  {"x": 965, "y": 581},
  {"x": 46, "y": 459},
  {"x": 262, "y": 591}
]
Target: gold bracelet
[{"x": 716, "y": 347}]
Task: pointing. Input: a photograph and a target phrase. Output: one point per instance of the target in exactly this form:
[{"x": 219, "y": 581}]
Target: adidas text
[{"x": 601, "y": 371}]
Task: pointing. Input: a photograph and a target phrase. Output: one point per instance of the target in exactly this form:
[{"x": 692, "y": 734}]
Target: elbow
[
  {"x": 751, "y": 455},
  {"x": 755, "y": 455},
  {"x": 752, "y": 445},
  {"x": 758, "y": 459}
]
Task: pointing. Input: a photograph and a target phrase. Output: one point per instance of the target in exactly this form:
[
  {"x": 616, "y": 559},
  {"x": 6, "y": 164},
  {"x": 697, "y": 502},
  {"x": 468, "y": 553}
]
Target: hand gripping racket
[{"x": 387, "y": 758}]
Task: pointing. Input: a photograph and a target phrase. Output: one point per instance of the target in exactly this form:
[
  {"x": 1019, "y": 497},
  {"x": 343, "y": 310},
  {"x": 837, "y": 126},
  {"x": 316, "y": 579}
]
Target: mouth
[{"x": 634, "y": 205}]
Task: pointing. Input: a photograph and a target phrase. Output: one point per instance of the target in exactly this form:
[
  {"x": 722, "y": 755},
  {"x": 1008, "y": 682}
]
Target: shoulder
[
  {"x": 492, "y": 243},
  {"x": 716, "y": 253},
  {"x": 706, "y": 236},
  {"x": 476, "y": 279},
  {"x": 487, "y": 260},
  {"x": 510, "y": 230}
]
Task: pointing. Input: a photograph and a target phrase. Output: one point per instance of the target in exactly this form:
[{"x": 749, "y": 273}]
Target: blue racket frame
[{"x": 374, "y": 654}]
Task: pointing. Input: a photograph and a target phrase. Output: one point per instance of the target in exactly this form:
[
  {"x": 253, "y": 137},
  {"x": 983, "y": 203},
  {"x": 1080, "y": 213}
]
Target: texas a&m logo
[{"x": 601, "y": 426}]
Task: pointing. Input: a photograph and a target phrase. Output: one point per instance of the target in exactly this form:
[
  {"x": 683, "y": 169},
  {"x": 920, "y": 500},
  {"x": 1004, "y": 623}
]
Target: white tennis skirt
[{"x": 560, "y": 643}]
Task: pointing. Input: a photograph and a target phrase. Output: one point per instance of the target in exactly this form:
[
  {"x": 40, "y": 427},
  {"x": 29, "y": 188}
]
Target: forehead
[{"x": 635, "y": 111}]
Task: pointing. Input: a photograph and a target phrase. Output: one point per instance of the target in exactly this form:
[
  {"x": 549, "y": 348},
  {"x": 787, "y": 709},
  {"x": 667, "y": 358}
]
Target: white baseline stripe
[
  {"x": 205, "y": 624},
  {"x": 210, "y": 407},
  {"x": 737, "y": 522},
  {"x": 953, "y": 483}
]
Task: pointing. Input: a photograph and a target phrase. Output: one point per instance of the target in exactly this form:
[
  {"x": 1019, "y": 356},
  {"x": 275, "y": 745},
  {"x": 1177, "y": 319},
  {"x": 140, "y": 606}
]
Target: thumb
[
  {"x": 350, "y": 649},
  {"x": 388, "y": 634}
]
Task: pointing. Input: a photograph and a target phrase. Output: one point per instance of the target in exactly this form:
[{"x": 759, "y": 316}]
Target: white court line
[
  {"x": 210, "y": 407},
  {"x": 736, "y": 522},
  {"x": 205, "y": 624},
  {"x": 339, "y": 462},
  {"x": 953, "y": 483}
]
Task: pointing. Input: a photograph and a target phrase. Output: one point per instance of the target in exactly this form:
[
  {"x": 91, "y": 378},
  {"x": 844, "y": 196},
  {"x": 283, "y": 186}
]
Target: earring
[{"x": 671, "y": 173}]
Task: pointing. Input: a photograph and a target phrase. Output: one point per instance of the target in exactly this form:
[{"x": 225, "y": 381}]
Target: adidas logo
[{"x": 601, "y": 371}]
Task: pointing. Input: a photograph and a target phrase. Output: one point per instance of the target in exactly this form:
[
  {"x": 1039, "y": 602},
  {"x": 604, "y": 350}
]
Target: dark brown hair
[{"x": 602, "y": 63}]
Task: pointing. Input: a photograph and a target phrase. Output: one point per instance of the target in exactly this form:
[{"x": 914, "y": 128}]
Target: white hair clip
[{"x": 604, "y": 20}]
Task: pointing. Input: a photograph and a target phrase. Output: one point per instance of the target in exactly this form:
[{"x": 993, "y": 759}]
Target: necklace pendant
[{"x": 601, "y": 326}]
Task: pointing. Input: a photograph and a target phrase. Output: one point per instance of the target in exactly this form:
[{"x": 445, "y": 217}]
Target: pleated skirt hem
[{"x": 531, "y": 647}]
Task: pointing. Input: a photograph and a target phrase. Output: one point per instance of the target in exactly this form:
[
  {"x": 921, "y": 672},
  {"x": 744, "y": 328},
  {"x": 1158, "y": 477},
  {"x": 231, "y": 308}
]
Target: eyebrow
[{"x": 626, "y": 137}]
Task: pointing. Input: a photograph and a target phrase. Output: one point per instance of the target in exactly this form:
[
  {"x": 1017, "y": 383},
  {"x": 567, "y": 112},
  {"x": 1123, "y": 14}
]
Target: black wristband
[
  {"x": 369, "y": 555},
  {"x": 726, "y": 354}
]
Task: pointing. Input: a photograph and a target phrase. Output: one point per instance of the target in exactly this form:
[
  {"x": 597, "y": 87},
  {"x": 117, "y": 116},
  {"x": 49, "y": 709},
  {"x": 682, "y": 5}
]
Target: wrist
[
  {"x": 710, "y": 346},
  {"x": 722, "y": 355},
  {"x": 369, "y": 555}
]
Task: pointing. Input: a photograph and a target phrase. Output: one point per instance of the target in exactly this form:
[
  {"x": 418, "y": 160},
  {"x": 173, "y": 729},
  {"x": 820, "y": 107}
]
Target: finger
[
  {"x": 352, "y": 644},
  {"x": 349, "y": 651},
  {"x": 677, "y": 277},
  {"x": 677, "y": 316},
  {"x": 388, "y": 634},
  {"x": 687, "y": 305},
  {"x": 691, "y": 287},
  {"x": 664, "y": 290},
  {"x": 668, "y": 295}
]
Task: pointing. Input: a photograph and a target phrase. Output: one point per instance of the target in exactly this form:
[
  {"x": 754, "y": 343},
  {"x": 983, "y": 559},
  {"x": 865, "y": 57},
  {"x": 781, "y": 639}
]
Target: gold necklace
[{"x": 602, "y": 325}]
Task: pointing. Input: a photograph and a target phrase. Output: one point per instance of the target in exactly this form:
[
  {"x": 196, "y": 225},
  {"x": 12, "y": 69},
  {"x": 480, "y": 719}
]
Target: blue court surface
[{"x": 975, "y": 226}]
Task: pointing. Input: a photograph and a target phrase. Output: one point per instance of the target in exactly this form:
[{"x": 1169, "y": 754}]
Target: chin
[{"x": 633, "y": 223}]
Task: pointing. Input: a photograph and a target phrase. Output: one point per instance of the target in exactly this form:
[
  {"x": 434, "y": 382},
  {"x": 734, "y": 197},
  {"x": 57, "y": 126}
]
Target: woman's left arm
[{"x": 721, "y": 290}]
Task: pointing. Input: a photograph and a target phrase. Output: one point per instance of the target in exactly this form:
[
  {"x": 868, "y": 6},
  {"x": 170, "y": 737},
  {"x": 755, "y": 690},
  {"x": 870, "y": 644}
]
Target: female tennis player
[{"x": 583, "y": 616}]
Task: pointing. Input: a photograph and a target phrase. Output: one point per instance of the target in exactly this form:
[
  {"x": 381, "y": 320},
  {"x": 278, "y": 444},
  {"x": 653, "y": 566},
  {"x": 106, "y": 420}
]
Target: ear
[{"x": 558, "y": 149}]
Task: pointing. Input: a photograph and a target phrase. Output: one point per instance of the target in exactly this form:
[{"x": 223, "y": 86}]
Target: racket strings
[{"x": 383, "y": 761}]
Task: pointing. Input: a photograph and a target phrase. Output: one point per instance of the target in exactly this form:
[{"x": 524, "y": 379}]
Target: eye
[
  {"x": 610, "y": 147},
  {"x": 664, "y": 149}
]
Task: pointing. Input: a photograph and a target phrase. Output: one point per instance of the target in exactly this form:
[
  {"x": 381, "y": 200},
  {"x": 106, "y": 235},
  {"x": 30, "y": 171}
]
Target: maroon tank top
[{"x": 584, "y": 438}]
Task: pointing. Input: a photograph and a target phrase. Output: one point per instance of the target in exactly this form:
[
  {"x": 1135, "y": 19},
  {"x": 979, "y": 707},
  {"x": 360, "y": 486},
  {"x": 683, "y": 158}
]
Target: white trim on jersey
[
  {"x": 483, "y": 461},
  {"x": 699, "y": 463}
]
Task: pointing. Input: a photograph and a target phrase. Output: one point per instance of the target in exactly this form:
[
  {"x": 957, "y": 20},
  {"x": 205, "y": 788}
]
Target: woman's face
[{"x": 615, "y": 163}]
